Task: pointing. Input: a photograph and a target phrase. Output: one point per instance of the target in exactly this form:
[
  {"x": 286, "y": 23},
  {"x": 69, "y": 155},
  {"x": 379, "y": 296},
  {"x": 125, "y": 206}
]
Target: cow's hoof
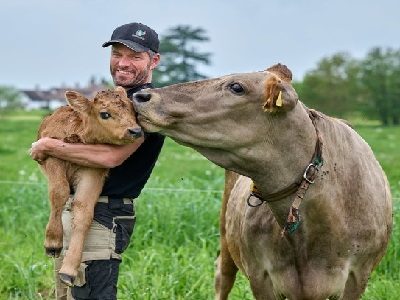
[
  {"x": 66, "y": 279},
  {"x": 53, "y": 252}
]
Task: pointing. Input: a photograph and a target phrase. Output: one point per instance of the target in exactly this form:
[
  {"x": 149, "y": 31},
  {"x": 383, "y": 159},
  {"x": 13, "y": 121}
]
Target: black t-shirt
[{"x": 129, "y": 178}]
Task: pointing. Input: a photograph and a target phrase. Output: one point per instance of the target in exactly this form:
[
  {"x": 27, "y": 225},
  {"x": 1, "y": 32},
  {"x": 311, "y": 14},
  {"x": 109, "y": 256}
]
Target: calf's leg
[
  {"x": 58, "y": 193},
  {"x": 62, "y": 291},
  {"x": 87, "y": 192}
]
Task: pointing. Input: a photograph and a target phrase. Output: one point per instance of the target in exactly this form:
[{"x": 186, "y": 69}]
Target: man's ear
[{"x": 154, "y": 62}]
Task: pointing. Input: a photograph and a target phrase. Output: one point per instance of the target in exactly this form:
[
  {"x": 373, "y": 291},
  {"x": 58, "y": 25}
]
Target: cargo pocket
[
  {"x": 123, "y": 229},
  {"x": 80, "y": 279}
]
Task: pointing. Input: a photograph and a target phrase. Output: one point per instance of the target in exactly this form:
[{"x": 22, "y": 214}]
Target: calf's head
[{"x": 107, "y": 118}]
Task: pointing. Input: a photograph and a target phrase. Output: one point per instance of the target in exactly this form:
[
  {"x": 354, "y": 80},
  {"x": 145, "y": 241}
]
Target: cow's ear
[
  {"x": 282, "y": 71},
  {"x": 279, "y": 95},
  {"x": 78, "y": 101}
]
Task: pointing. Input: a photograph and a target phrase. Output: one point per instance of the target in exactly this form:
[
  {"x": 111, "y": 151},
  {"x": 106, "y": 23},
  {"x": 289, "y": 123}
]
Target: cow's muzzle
[{"x": 142, "y": 96}]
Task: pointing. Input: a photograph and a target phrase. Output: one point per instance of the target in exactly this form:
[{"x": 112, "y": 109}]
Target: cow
[
  {"x": 108, "y": 118},
  {"x": 307, "y": 208}
]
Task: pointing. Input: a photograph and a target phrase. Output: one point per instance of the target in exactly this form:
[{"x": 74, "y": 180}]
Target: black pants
[{"x": 101, "y": 281}]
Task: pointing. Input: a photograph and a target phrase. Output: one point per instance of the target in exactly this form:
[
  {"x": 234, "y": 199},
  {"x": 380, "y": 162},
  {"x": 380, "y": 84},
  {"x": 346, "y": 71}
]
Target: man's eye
[
  {"x": 236, "y": 88},
  {"x": 105, "y": 115}
]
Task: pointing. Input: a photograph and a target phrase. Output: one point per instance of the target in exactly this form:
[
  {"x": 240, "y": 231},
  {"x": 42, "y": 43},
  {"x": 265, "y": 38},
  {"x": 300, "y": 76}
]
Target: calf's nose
[
  {"x": 142, "y": 96},
  {"x": 136, "y": 132}
]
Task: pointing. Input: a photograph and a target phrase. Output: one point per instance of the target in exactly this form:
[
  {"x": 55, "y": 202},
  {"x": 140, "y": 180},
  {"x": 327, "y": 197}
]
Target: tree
[
  {"x": 380, "y": 74},
  {"x": 9, "y": 99},
  {"x": 179, "y": 58},
  {"x": 333, "y": 86}
]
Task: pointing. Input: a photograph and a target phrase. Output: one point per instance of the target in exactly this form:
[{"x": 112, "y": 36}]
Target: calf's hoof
[
  {"x": 66, "y": 279},
  {"x": 53, "y": 252}
]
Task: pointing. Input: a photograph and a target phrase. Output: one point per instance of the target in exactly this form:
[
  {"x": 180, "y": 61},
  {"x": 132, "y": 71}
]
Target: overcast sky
[{"x": 48, "y": 43}]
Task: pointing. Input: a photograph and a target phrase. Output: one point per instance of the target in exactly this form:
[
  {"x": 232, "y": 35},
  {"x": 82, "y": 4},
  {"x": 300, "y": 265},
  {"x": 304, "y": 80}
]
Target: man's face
[{"x": 130, "y": 68}]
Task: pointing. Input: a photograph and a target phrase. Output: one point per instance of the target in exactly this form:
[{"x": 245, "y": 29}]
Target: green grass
[
  {"x": 385, "y": 142},
  {"x": 175, "y": 241}
]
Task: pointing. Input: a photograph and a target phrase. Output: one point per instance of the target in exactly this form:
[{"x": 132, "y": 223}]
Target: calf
[{"x": 109, "y": 118}]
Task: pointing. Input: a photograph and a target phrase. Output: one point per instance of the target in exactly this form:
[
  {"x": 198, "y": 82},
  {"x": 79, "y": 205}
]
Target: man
[{"x": 134, "y": 55}]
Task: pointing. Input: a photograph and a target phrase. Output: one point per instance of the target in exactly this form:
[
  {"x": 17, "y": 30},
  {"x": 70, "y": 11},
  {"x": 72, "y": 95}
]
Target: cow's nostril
[
  {"x": 142, "y": 97},
  {"x": 135, "y": 132}
]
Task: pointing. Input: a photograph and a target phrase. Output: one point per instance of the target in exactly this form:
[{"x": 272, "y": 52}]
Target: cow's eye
[
  {"x": 236, "y": 88},
  {"x": 105, "y": 115}
]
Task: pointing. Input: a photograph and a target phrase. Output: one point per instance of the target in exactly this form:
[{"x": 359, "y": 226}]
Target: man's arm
[{"x": 90, "y": 155}]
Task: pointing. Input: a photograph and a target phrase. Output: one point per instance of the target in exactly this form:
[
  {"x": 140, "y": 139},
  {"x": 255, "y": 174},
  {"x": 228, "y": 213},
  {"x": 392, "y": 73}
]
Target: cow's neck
[
  {"x": 280, "y": 152},
  {"x": 276, "y": 156},
  {"x": 287, "y": 199}
]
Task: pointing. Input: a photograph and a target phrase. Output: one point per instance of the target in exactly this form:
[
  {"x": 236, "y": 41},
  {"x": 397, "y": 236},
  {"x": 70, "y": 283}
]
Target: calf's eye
[
  {"x": 236, "y": 88},
  {"x": 105, "y": 115}
]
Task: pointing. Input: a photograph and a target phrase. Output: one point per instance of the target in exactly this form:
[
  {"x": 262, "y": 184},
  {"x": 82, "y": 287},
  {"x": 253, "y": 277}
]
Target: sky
[{"x": 52, "y": 43}]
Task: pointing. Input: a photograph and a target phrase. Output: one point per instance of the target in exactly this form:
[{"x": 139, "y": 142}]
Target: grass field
[{"x": 175, "y": 241}]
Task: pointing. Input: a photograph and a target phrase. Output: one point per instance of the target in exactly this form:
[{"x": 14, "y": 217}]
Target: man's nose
[{"x": 124, "y": 61}]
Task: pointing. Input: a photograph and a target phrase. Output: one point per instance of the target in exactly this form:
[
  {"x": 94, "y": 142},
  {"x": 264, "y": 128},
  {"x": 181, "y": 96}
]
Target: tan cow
[
  {"x": 109, "y": 118},
  {"x": 318, "y": 218}
]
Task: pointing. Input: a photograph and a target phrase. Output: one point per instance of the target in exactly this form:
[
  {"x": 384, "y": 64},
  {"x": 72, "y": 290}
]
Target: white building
[{"x": 55, "y": 97}]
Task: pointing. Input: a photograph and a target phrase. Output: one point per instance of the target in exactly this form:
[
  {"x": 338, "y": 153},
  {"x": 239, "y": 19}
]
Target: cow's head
[
  {"x": 109, "y": 117},
  {"x": 230, "y": 114},
  {"x": 212, "y": 107}
]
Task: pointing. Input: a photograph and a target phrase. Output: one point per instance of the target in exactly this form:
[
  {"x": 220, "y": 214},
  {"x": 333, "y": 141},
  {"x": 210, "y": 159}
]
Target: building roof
[{"x": 59, "y": 93}]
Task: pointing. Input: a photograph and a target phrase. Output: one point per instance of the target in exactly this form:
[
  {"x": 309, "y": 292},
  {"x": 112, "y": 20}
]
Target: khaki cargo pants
[{"x": 108, "y": 236}]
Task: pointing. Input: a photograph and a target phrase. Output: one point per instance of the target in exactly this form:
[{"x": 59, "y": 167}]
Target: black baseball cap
[{"x": 137, "y": 36}]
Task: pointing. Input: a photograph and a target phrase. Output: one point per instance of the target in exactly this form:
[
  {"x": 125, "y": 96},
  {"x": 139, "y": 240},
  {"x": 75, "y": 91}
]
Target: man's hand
[{"x": 37, "y": 151}]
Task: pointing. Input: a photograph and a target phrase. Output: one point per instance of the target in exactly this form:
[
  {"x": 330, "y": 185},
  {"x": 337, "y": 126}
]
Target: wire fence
[
  {"x": 148, "y": 189},
  {"x": 151, "y": 189}
]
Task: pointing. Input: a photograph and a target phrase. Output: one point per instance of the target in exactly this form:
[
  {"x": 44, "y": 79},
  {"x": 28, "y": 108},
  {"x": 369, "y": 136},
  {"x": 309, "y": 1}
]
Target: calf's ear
[
  {"x": 78, "y": 101},
  {"x": 121, "y": 91}
]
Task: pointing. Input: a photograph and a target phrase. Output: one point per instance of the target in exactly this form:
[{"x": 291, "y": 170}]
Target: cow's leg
[
  {"x": 225, "y": 275},
  {"x": 87, "y": 192},
  {"x": 226, "y": 268},
  {"x": 58, "y": 193},
  {"x": 262, "y": 287},
  {"x": 356, "y": 284}
]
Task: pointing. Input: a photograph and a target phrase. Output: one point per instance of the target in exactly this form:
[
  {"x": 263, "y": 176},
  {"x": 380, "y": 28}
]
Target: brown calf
[{"x": 109, "y": 118}]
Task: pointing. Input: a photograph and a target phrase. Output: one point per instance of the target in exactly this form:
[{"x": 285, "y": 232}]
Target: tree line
[
  {"x": 342, "y": 86},
  {"x": 339, "y": 85}
]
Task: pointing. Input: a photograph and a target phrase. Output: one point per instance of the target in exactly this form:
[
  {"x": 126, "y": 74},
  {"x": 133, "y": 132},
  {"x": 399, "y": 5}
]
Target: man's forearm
[{"x": 91, "y": 155}]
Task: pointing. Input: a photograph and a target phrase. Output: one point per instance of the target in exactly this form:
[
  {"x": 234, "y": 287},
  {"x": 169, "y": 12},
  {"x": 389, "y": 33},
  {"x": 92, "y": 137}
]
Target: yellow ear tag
[{"x": 279, "y": 100}]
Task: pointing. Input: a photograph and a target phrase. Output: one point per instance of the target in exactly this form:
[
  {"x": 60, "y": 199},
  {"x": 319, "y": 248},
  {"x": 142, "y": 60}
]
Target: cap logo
[{"x": 139, "y": 34}]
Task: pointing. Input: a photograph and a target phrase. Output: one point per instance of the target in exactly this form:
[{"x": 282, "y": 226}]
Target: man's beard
[{"x": 140, "y": 79}]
